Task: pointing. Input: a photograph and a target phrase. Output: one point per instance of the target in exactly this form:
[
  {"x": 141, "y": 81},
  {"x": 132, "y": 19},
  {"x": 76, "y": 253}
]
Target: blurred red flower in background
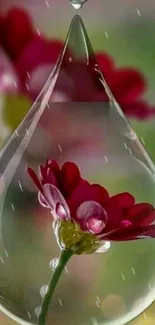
[
  {"x": 34, "y": 56},
  {"x": 70, "y": 197}
]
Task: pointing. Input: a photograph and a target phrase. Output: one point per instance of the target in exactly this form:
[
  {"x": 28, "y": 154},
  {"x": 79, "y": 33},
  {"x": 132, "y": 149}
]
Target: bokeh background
[{"x": 124, "y": 29}]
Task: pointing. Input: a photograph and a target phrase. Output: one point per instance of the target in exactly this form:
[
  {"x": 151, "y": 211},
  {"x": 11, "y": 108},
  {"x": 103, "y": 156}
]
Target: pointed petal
[
  {"x": 35, "y": 178},
  {"x": 138, "y": 109},
  {"x": 115, "y": 215},
  {"x": 56, "y": 201},
  {"x": 141, "y": 214},
  {"x": 42, "y": 200},
  {"x": 70, "y": 177},
  {"x": 131, "y": 233},
  {"x": 127, "y": 84},
  {"x": 106, "y": 63}
]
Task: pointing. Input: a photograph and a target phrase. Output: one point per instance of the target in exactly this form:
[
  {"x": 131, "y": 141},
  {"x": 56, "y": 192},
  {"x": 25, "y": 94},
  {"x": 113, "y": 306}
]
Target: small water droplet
[
  {"x": 43, "y": 290},
  {"x": 37, "y": 311},
  {"x": 77, "y": 4},
  {"x": 54, "y": 263},
  {"x": 104, "y": 248}
]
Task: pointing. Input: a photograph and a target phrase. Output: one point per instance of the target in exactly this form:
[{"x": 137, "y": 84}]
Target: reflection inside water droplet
[
  {"x": 37, "y": 311},
  {"x": 43, "y": 290},
  {"x": 54, "y": 263}
]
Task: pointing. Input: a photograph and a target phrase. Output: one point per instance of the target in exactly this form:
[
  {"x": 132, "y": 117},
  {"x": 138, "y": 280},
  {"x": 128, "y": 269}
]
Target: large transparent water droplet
[
  {"x": 77, "y": 4},
  {"x": 89, "y": 129}
]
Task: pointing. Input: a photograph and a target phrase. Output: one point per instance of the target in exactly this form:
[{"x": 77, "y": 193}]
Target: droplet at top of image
[{"x": 77, "y": 4}]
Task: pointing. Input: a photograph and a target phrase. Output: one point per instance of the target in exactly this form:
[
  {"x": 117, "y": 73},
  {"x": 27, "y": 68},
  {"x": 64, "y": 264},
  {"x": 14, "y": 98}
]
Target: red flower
[
  {"x": 79, "y": 82},
  {"x": 16, "y": 31},
  {"x": 36, "y": 62},
  {"x": 128, "y": 86},
  {"x": 115, "y": 218},
  {"x": 34, "y": 57}
]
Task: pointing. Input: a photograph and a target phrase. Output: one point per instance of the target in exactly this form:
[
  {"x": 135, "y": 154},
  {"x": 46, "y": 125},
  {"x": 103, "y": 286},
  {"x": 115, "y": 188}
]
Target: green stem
[{"x": 64, "y": 258}]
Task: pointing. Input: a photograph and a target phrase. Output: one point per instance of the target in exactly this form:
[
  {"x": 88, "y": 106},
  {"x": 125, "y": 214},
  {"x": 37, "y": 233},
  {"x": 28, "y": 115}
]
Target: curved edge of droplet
[
  {"x": 15, "y": 318},
  {"x": 132, "y": 315}
]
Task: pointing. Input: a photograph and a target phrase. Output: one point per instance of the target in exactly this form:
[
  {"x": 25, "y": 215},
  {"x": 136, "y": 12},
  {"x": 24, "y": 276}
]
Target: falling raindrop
[{"x": 86, "y": 127}]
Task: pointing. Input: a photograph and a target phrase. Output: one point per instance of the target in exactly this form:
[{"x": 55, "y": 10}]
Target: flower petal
[
  {"x": 56, "y": 201},
  {"x": 17, "y": 31},
  {"x": 127, "y": 84},
  {"x": 70, "y": 177},
  {"x": 38, "y": 52},
  {"x": 131, "y": 233},
  {"x": 115, "y": 215},
  {"x": 42, "y": 200},
  {"x": 141, "y": 214},
  {"x": 138, "y": 109},
  {"x": 105, "y": 62},
  {"x": 35, "y": 178},
  {"x": 85, "y": 192},
  {"x": 125, "y": 200}
]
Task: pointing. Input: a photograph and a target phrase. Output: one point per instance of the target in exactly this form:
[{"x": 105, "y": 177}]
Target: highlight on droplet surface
[
  {"x": 77, "y": 4},
  {"x": 103, "y": 191},
  {"x": 43, "y": 290},
  {"x": 53, "y": 263}
]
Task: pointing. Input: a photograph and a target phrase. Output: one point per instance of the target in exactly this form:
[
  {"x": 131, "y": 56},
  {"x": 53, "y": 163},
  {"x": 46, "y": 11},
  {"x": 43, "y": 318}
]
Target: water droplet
[
  {"x": 77, "y": 4},
  {"x": 43, "y": 290},
  {"x": 104, "y": 248},
  {"x": 37, "y": 311},
  {"x": 54, "y": 263},
  {"x": 96, "y": 137}
]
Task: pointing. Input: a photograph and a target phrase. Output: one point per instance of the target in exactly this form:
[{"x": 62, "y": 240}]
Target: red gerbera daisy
[{"x": 71, "y": 198}]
